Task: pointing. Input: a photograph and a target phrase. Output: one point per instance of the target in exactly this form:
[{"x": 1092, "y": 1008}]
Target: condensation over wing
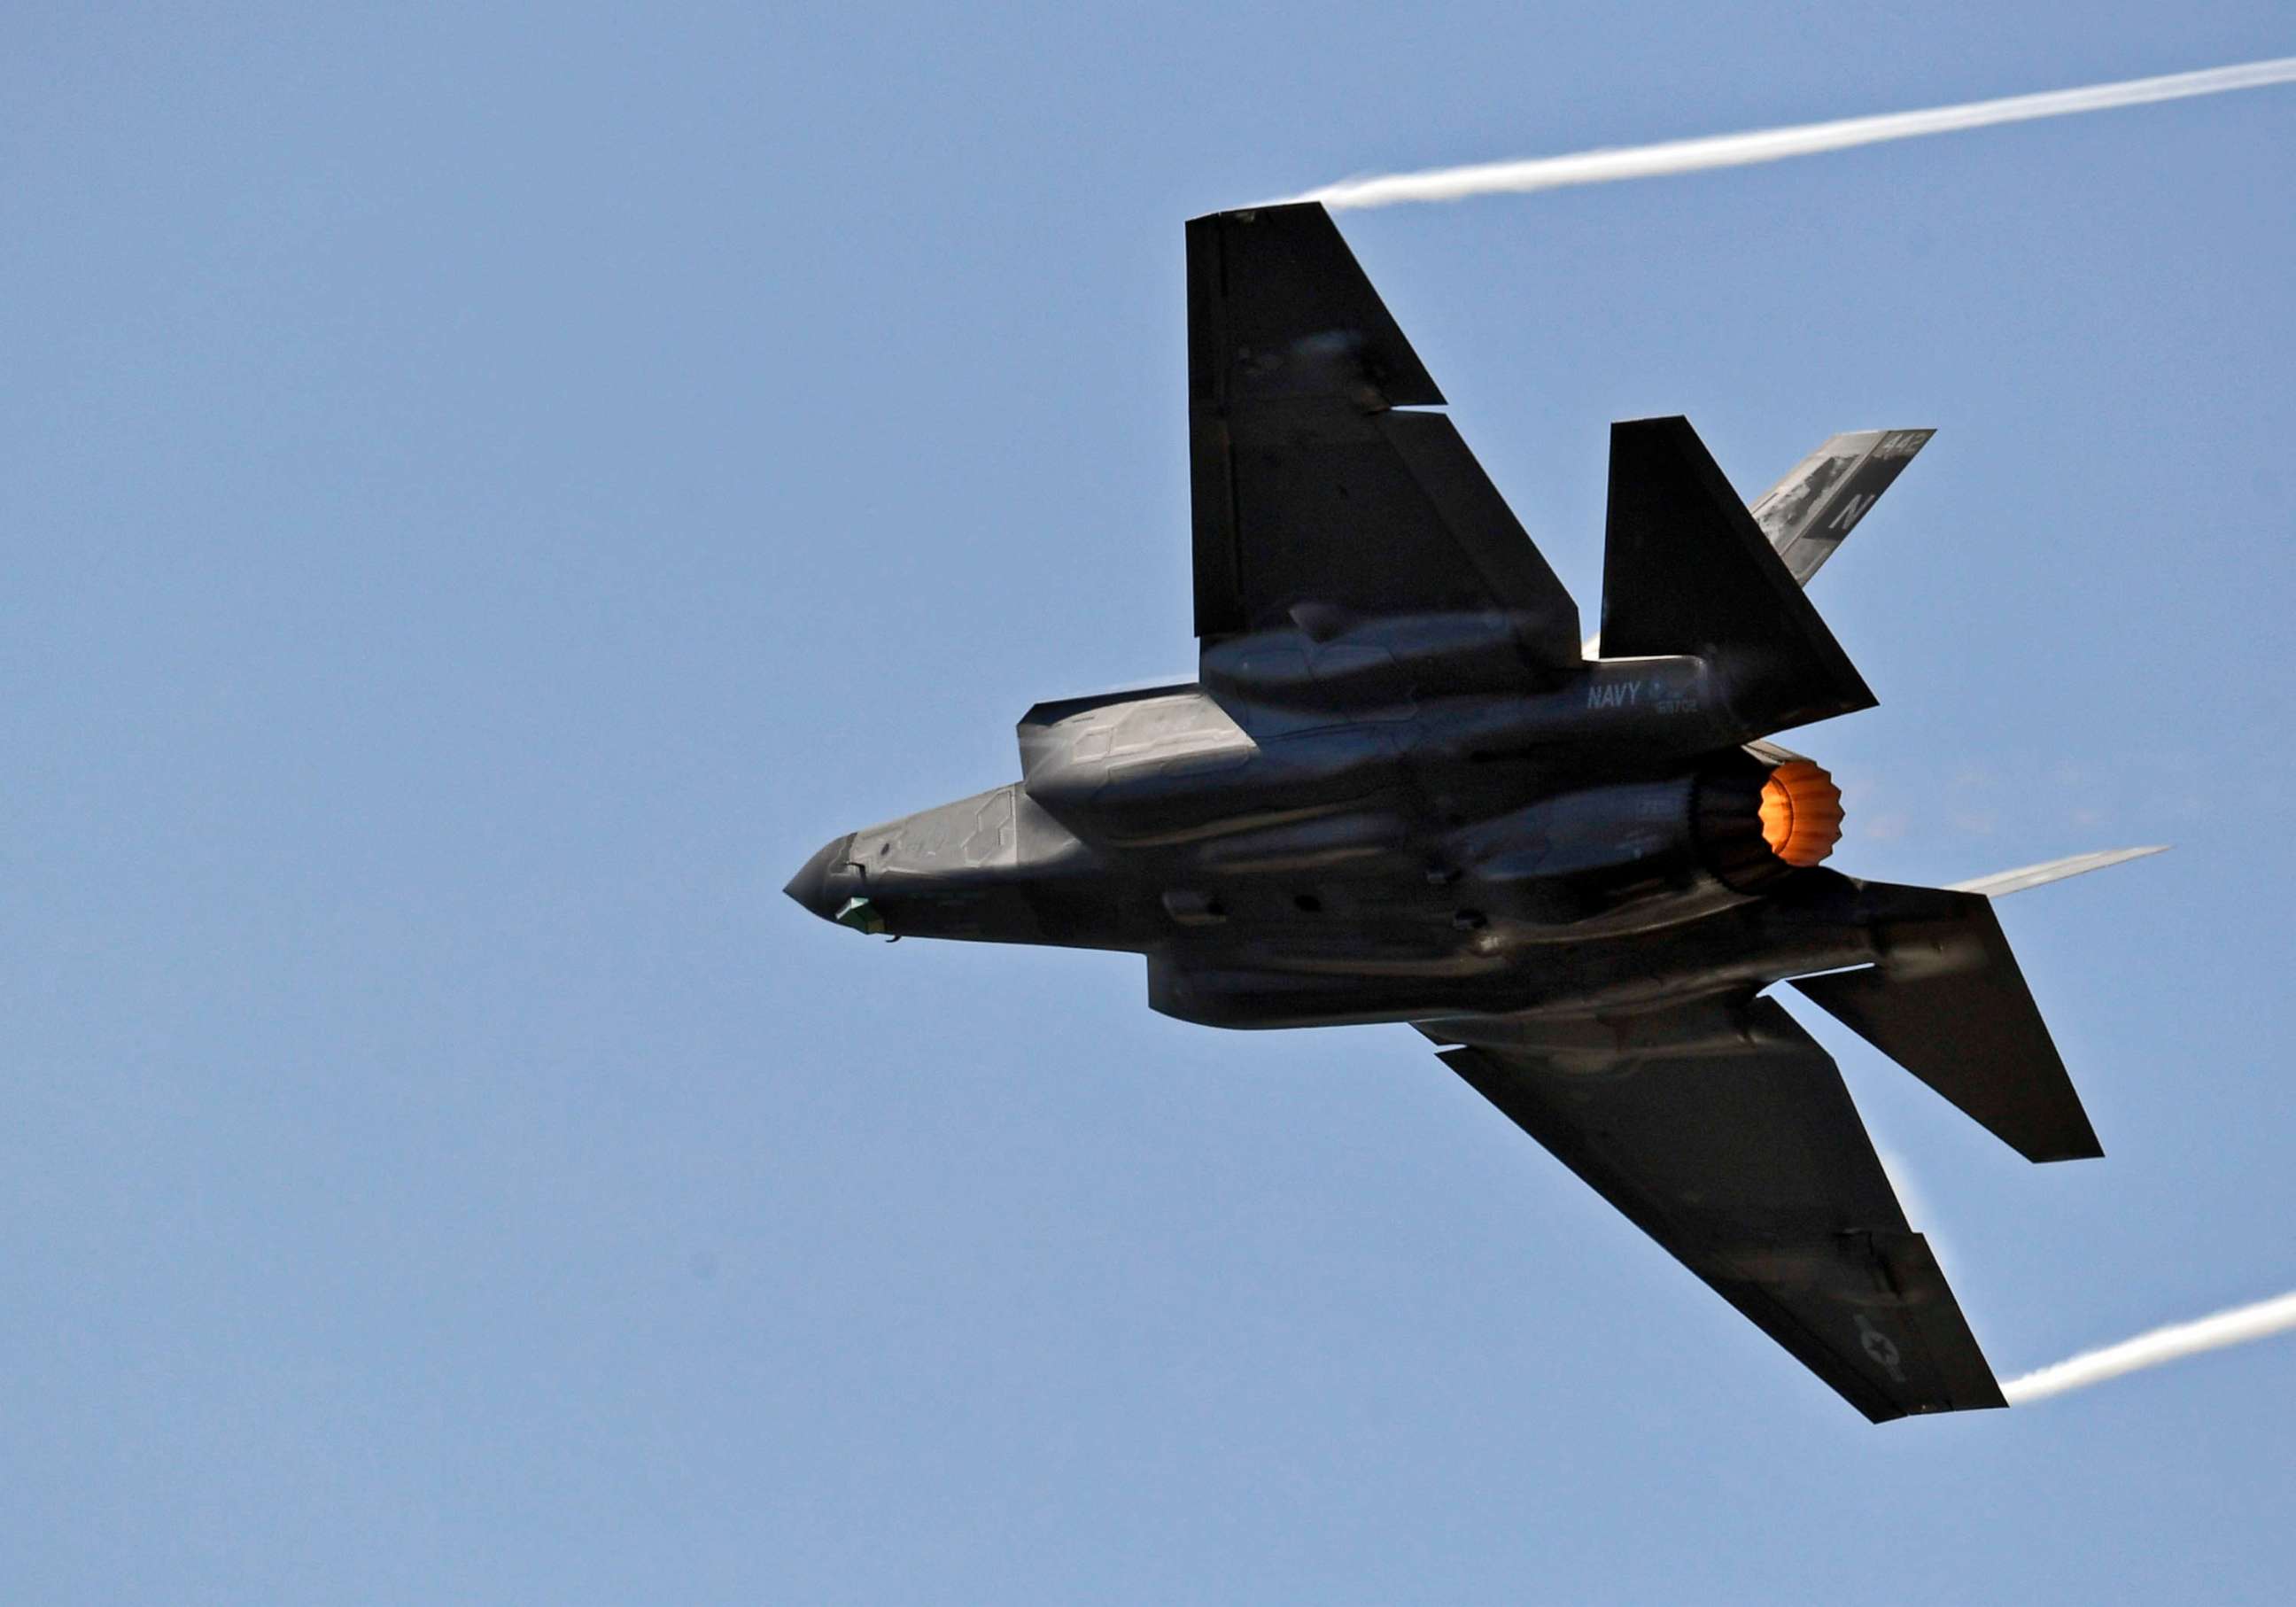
[
  {"x": 1812, "y": 510},
  {"x": 1723, "y": 1132},
  {"x": 1309, "y": 487},
  {"x": 2002, "y": 883}
]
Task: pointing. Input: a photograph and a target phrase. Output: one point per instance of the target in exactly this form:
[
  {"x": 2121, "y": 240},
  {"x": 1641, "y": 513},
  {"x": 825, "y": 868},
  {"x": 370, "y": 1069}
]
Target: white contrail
[
  {"x": 1770, "y": 144},
  {"x": 2237, "y": 1326}
]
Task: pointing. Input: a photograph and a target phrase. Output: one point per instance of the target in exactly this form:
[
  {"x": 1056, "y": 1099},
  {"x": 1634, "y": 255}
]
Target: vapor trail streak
[
  {"x": 2237, "y": 1326},
  {"x": 1772, "y": 145}
]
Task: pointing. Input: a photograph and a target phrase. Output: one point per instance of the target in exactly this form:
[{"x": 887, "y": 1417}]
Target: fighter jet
[{"x": 1402, "y": 788}]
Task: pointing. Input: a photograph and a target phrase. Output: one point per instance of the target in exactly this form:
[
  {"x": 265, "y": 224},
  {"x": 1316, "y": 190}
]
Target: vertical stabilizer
[
  {"x": 1686, "y": 570},
  {"x": 1811, "y": 511}
]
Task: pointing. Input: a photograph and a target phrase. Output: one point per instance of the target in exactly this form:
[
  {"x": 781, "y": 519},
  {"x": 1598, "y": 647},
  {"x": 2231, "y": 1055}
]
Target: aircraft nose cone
[{"x": 820, "y": 887}]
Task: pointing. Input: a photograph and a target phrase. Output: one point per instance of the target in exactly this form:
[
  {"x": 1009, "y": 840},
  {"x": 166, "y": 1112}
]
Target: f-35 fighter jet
[{"x": 1402, "y": 788}]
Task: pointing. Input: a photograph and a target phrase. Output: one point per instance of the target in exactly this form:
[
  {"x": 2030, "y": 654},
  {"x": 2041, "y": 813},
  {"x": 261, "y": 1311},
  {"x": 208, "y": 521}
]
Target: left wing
[
  {"x": 1724, "y": 1131},
  {"x": 1312, "y": 488}
]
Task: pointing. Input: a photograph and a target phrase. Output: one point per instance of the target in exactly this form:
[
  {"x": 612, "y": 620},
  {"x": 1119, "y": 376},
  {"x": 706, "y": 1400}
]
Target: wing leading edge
[
  {"x": 1724, "y": 1131},
  {"x": 1311, "y": 483}
]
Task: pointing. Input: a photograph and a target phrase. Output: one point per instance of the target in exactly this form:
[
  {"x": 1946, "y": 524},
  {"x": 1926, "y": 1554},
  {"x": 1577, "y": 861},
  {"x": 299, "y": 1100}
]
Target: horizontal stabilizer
[
  {"x": 1686, "y": 570},
  {"x": 1948, "y": 1003},
  {"x": 2002, "y": 883},
  {"x": 1811, "y": 511}
]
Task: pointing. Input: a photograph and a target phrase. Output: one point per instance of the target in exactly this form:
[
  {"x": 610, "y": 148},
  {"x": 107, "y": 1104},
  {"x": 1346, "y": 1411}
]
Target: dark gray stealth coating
[{"x": 1398, "y": 791}]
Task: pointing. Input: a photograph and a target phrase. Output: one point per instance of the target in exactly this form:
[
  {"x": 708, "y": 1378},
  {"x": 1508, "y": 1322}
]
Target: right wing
[
  {"x": 1723, "y": 1132},
  {"x": 1311, "y": 488},
  {"x": 1812, "y": 510}
]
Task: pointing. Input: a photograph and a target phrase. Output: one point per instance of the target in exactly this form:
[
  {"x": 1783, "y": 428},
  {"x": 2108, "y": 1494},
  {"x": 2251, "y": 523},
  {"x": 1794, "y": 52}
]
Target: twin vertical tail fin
[
  {"x": 1808, "y": 514},
  {"x": 1687, "y": 570},
  {"x": 1947, "y": 1002}
]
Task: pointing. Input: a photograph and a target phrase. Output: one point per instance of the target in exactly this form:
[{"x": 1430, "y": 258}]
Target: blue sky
[{"x": 489, "y": 490}]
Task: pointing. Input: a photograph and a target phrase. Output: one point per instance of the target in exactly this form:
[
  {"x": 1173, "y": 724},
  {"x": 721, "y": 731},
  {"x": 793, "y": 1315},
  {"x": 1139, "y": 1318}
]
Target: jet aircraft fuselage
[{"x": 1432, "y": 852}]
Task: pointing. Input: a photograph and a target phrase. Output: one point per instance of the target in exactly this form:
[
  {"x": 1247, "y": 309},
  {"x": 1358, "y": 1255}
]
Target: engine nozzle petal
[{"x": 1801, "y": 813}]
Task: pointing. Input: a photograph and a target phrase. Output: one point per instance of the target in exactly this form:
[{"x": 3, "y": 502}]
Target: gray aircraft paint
[{"x": 1399, "y": 791}]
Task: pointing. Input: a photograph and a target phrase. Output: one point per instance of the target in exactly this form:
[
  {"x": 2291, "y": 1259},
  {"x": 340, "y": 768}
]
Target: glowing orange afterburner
[{"x": 1801, "y": 813}]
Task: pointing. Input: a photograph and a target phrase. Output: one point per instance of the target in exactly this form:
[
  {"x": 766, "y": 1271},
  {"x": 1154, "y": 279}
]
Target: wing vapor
[{"x": 2002, "y": 883}]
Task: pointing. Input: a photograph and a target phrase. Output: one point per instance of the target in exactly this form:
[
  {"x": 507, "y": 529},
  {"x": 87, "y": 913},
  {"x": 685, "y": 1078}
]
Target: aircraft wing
[
  {"x": 1313, "y": 483},
  {"x": 1724, "y": 1131}
]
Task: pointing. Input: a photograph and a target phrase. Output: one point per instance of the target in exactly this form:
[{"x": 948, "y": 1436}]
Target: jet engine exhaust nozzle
[
  {"x": 1801, "y": 813},
  {"x": 1756, "y": 821}
]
